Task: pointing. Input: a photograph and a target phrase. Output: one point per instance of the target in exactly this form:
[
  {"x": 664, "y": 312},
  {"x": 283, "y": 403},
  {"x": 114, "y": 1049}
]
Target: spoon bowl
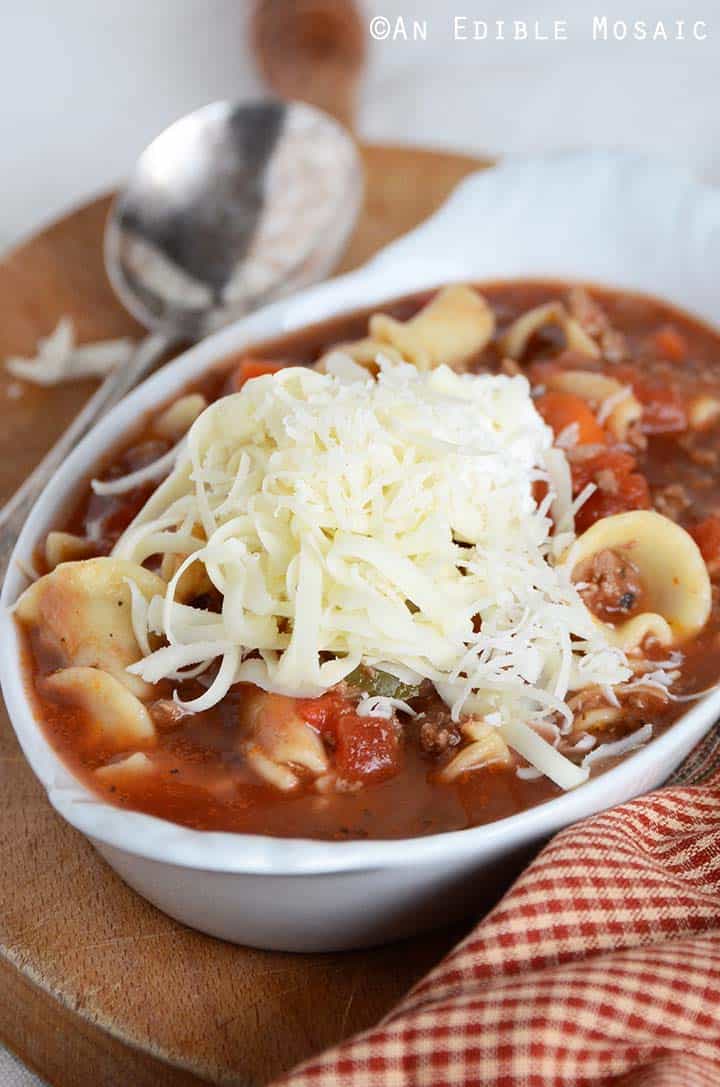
[{"x": 230, "y": 207}]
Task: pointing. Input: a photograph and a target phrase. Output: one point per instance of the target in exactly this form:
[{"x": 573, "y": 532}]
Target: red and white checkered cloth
[{"x": 600, "y": 966}]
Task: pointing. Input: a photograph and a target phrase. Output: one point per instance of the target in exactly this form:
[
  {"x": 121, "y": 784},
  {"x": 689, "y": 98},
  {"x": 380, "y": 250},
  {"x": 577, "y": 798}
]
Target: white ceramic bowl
[{"x": 610, "y": 219}]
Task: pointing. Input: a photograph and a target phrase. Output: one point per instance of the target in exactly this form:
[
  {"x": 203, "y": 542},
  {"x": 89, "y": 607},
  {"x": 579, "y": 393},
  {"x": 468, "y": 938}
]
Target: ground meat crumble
[
  {"x": 610, "y": 585},
  {"x": 438, "y": 734},
  {"x": 593, "y": 319}
]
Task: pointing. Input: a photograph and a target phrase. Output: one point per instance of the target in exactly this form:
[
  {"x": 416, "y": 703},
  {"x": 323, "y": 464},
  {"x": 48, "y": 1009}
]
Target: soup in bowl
[
  {"x": 404, "y": 573},
  {"x": 356, "y": 615}
]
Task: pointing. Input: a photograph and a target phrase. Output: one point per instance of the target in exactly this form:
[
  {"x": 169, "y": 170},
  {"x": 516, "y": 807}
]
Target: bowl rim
[{"x": 390, "y": 274}]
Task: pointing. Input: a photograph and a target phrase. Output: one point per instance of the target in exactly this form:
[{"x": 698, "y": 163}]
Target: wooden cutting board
[{"x": 96, "y": 986}]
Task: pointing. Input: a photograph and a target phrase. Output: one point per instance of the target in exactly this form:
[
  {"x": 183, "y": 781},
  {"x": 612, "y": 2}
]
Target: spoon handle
[{"x": 15, "y": 512}]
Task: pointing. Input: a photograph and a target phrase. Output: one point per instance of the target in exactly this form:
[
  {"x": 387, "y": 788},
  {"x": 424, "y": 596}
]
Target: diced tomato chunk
[
  {"x": 631, "y": 491},
  {"x": 634, "y": 494},
  {"x": 249, "y": 368},
  {"x": 707, "y": 536},
  {"x": 585, "y": 470},
  {"x": 670, "y": 344},
  {"x": 626, "y": 374},
  {"x": 366, "y": 748},
  {"x": 663, "y": 409},
  {"x": 322, "y": 712},
  {"x": 561, "y": 410}
]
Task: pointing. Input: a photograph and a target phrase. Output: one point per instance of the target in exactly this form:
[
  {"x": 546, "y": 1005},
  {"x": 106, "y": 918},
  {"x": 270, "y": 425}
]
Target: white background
[{"x": 87, "y": 83}]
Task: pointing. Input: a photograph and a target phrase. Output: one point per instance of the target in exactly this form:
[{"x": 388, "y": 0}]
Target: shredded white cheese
[
  {"x": 378, "y": 705},
  {"x": 611, "y": 402},
  {"x": 586, "y": 743},
  {"x": 60, "y": 359},
  {"x": 528, "y": 773},
  {"x": 619, "y": 747},
  {"x": 151, "y": 473},
  {"x": 568, "y": 437},
  {"x": 350, "y": 520}
]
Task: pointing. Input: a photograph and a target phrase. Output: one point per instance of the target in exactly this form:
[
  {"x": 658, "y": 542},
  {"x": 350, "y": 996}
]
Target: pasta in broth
[{"x": 455, "y": 562}]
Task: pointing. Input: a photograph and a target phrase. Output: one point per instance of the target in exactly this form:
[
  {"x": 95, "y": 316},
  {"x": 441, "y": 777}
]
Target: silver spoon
[{"x": 230, "y": 207}]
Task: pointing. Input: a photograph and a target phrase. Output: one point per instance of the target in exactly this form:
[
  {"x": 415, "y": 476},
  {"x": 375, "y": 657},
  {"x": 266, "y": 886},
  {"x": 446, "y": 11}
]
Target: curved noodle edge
[
  {"x": 83, "y": 613},
  {"x": 515, "y": 341},
  {"x": 110, "y": 712},
  {"x": 486, "y": 747},
  {"x": 672, "y": 569},
  {"x": 598, "y": 390},
  {"x": 456, "y": 325}
]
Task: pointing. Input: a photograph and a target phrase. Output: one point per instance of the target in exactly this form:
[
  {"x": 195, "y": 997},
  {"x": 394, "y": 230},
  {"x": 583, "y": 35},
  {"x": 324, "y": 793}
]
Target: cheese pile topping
[{"x": 391, "y": 522}]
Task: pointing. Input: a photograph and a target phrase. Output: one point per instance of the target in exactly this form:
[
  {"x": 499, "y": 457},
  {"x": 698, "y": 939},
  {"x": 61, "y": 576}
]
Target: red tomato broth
[{"x": 201, "y": 780}]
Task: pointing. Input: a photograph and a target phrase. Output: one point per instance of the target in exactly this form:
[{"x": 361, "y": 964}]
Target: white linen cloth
[{"x": 87, "y": 85}]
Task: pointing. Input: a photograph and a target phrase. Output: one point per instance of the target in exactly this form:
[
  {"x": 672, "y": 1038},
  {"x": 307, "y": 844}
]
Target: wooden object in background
[
  {"x": 311, "y": 50},
  {"x": 96, "y": 986}
]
